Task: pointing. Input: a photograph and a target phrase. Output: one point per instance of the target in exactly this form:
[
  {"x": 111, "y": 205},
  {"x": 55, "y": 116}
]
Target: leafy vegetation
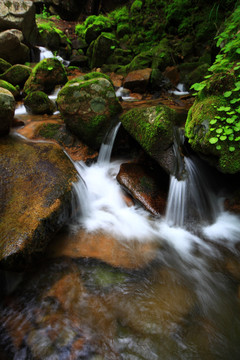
[{"x": 224, "y": 79}]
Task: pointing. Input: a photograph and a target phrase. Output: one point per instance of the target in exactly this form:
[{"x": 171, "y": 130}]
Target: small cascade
[
  {"x": 46, "y": 54},
  {"x": 107, "y": 145},
  {"x": 20, "y": 110},
  {"x": 123, "y": 94},
  {"x": 191, "y": 198},
  {"x": 180, "y": 90}
]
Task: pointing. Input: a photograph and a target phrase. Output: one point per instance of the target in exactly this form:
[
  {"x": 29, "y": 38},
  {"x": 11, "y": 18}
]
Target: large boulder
[
  {"x": 19, "y": 14},
  {"x": 87, "y": 105},
  {"x": 138, "y": 80},
  {"x": 153, "y": 128},
  {"x": 11, "y": 47},
  {"x": 17, "y": 74},
  {"x": 35, "y": 192},
  {"x": 45, "y": 76},
  {"x": 37, "y": 102},
  {"x": 7, "y": 108}
]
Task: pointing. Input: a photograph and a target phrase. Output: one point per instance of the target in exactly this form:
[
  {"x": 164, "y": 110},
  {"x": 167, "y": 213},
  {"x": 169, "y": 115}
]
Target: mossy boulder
[
  {"x": 36, "y": 180},
  {"x": 6, "y": 85},
  {"x": 45, "y": 76},
  {"x": 152, "y": 127},
  {"x": 102, "y": 48},
  {"x": 37, "y": 102},
  {"x": 4, "y": 65},
  {"x": 87, "y": 107},
  {"x": 7, "y": 108},
  {"x": 209, "y": 135},
  {"x": 17, "y": 74}
]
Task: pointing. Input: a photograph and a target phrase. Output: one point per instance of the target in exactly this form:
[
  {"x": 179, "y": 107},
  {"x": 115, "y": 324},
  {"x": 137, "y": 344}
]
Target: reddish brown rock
[
  {"x": 144, "y": 186},
  {"x": 117, "y": 79},
  {"x": 104, "y": 247},
  {"x": 171, "y": 72},
  {"x": 137, "y": 81}
]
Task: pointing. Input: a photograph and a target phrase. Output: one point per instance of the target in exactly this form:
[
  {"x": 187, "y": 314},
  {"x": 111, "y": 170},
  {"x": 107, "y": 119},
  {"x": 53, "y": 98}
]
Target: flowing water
[{"x": 118, "y": 283}]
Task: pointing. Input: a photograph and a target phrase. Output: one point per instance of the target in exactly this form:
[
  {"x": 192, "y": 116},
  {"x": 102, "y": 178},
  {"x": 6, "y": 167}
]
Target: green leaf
[
  {"x": 213, "y": 121},
  {"x": 233, "y": 101},
  {"x": 198, "y": 86},
  {"x": 228, "y": 131},
  {"x": 218, "y": 147},
  {"x": 231, "y": 137},
  {"x": 50, "y": 68},
  {"x": 224, "y": 108},
  {"x": 231, "y": 148},
  {"x": 213, "y": 140},
  {"x": 223, "y": 137},
  {"x": 237, "y": 138},
  {"x": 219, "y": 131},
  {"x": 230, "y": 120},
  {"x": 227, "y": 94},
  {"x": 238, "y": 51}
]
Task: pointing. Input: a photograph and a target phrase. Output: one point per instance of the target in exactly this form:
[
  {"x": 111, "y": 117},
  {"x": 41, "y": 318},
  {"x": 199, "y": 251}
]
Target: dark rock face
[
  {"x": 11, "y": 47},
  {"x": 35, "y": 194},
  {"x": 19, "y": 14},
  {"x": 138, "y": 80},
  {"x": 7, "y": 108},
  {"x": 144, "y": 186}
]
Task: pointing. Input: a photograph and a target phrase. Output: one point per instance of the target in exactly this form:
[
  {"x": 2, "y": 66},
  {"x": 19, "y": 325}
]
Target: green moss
[
  {"x": 152, "y": 127},
  {"x": 136, "y": 6},
  {"x": 49, "y": 131},
  {"x": 9, "y": 87}
]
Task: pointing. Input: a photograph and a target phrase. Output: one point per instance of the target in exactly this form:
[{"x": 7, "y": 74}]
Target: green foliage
[
  {"x": 225, "y": 77},
  {"x": 46, "y": 15},
  {"x": 136, "y": 6}
]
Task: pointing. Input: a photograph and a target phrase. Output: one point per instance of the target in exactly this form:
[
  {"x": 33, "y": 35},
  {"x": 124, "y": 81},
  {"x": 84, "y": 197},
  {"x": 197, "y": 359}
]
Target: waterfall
[
  {"x": 106, "y": 147},
  {"x": 191, "y": 198}
]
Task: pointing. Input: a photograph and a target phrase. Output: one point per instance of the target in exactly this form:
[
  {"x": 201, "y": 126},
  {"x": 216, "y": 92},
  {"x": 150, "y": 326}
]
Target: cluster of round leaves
[{"x": 226, "y": 124}]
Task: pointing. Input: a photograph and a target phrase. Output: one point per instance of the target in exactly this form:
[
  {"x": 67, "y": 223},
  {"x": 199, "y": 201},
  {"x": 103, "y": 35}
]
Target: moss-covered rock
[
  {"x": 45, "y": 76},
  {"x": 152, "y": 127},
  {"x": 213, "y": 125},
  {"x": 102, "y": 48},
  {"x": 37, "y": 102},
  {"x": 87, "y": 107},
  {"x": 17, "y": 74},
  {"x": 210, "y": 137},
  {"x": 36, "y": 180},
  {"x": 4, "y": 65},
  {"x": 7, "y": 108},
  {"x": 6, "y": 85}
]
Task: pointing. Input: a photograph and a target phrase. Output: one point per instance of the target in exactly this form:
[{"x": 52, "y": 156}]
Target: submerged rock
[
  {"x": 107, "y": 248},
  {"x": 7, "y": 108},
  {"x": 87, "y": 105},
  {"x": 45, "y": 76},
  {"x": 35, "y": 198}
]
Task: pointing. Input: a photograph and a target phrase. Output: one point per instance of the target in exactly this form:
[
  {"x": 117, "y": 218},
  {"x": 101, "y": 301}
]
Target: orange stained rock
[{"x": 102, "y": 246}]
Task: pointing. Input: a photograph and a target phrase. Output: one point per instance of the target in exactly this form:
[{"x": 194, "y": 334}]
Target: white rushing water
[
  {"x": 102, "y": 207},
  {"x": 46, "y": 54},
  {"x": 180, "y": 90}
]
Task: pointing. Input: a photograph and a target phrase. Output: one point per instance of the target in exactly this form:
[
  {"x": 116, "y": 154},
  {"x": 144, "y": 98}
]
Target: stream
[{"x": 119, "y": 283}]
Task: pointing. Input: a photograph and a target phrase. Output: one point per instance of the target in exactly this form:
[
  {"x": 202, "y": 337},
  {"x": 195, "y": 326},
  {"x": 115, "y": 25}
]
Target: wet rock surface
[
  {"x": 7, "y": 106},
  {"x": 144, "y": 186},
  {"x": 35, "y": 198}
]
